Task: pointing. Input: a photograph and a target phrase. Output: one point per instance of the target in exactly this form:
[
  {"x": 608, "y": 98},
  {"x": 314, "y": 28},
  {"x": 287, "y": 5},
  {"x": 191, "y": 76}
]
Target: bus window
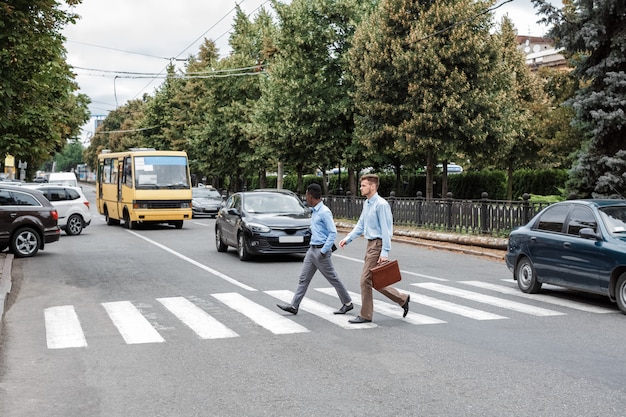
[
  {"x": 128, "y": 172},
  {"x": 161, "y": 172}
]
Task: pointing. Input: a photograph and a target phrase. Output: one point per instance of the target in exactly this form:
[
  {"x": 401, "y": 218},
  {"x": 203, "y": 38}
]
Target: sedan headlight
[{"x": 258, "y": 228}]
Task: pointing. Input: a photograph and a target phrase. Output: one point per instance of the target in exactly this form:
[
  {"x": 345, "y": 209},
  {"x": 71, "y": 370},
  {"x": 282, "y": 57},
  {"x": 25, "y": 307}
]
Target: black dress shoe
[
  {"x": 406, "y": 306},
  {"x": 358, "y": 320},
  {"x": 344, "y": 309},
  {"x": 288, "y": 308}
]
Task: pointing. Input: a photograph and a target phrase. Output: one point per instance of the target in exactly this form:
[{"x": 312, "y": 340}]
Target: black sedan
[
  {"x": 577, "y": 244},
  {"x": 205, "y": 201},
  {"x": 263, "y": 222}
]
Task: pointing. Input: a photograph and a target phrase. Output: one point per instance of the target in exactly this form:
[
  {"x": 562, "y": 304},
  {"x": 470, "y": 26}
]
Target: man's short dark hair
[{"x": 314, "y": 191}]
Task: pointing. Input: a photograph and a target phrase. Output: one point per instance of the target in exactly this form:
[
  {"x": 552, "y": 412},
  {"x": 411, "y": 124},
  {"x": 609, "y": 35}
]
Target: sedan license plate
[{"x": 291, "y": 239}]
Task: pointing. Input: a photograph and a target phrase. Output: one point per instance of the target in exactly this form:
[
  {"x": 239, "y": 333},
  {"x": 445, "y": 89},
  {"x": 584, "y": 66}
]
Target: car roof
[
  {"x": 598, "y": 202},
  {"x": 272, "y": 190}
]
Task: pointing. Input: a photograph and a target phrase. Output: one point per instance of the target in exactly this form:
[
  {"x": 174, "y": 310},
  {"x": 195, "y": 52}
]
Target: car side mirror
[
  {"x": 233, "y": 212},
  {"x": 588, "y": 233}
]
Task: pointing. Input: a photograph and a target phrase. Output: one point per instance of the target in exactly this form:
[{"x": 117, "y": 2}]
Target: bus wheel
[
  {"x": 109, "y": 220},
  {"x": 127, "y": 222},
  {"x": 178, "y": 224}
]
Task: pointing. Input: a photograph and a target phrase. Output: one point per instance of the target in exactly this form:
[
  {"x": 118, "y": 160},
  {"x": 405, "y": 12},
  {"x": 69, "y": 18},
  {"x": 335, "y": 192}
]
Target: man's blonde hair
[{"x": 371, "y": 178}]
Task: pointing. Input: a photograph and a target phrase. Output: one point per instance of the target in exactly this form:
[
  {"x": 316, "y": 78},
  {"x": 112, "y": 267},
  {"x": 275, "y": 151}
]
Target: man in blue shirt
[
  {"x": 376, "y": 225},
  {"x": 323, "y": 233}
]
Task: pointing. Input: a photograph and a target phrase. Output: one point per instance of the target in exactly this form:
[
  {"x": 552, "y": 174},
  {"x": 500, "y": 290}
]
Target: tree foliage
[
  {"x": 38, "y": 108},
  {"x": 593, "y": 37}
]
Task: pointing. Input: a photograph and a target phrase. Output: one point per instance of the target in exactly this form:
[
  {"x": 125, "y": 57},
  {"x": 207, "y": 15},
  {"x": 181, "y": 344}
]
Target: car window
[
  {"x": 580, "y": 218},
  {"x": 23, "y": 199},
  {"x": 206, "y": 192},
  {"x": 71, "y": 194},
  {"x": 55, "y": 194},
  {"x": 614, "y": 219},
  {"x": 273, "y": 203},
  {"x": 5, "y": 198},
  {"x": 553, "y": 218}
]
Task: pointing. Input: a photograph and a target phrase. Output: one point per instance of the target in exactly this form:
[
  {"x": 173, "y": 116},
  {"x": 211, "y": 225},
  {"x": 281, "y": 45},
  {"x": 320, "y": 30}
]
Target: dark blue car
[{"x": 577, "y": 244}]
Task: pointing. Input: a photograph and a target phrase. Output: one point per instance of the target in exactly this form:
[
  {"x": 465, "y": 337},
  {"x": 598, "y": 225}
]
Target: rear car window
[
  {"x": 16, "y": 198},
  {"x": 553, "y": 218}
]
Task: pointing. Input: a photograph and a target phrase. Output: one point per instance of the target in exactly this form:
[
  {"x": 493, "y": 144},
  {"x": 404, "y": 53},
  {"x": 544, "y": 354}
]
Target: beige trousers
[{"x": 372, "y": 254}]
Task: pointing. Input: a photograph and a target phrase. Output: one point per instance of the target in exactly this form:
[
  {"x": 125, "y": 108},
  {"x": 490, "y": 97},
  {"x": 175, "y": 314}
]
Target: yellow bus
[{"x": 143, "y": 186}]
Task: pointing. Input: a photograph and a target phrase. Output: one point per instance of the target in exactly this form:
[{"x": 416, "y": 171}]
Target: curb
[{"x": 6, "y": 261}]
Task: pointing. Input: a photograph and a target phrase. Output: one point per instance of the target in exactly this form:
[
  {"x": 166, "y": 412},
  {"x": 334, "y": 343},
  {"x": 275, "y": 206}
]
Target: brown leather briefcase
[{"x": 385, "y": 274}]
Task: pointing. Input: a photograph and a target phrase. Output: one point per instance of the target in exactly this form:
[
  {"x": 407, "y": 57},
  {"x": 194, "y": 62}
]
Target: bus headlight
[{"x": 185, "y": 205}]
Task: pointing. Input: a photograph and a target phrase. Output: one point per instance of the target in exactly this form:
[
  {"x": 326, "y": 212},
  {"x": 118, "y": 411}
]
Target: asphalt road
[{"x": 155, "y": 322}]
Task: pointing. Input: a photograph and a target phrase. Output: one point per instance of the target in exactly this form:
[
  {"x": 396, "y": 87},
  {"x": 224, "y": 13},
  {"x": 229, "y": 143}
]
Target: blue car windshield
[{"x": 614, "y": 218}]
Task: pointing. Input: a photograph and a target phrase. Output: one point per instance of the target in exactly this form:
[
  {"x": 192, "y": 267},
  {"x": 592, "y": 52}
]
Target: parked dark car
[
  {"x": 263, "y": 222},
  {"x": 27, "y": 221},
  {"x": 576, "y": 244},
  {"x": 206, "y": 201}
]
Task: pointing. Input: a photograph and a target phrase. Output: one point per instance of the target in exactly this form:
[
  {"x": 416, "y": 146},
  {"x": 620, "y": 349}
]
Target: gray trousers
[{"x": 313, "y": 261}]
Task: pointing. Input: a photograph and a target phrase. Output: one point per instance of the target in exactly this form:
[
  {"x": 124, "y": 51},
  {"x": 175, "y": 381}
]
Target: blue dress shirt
[
  {"x": 375, "y": 222},
  {"x": 323, "y": 230}
]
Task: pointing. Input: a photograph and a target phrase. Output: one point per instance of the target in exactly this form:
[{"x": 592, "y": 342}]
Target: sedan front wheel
[
  {"x": 620, "y": 293},
  {"x": 242, "y": 247},
  {"x": 527, "y": 277}
]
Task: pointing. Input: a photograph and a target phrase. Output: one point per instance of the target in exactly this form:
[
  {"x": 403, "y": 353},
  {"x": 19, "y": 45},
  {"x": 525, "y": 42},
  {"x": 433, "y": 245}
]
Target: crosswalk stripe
[
  {"x": 488, "y": 299},
  {"x": 63, "y": 329},
  {"x": 545, "y": 298},
  {"x": 320, "y": 310},
  {"x": 272, "y": 321},
  {"x": 453, "y": 308},
  {"x": 131, "y": 324},
  {"x": 388, "y": 309},
  {"x": 198, "y": 320}
]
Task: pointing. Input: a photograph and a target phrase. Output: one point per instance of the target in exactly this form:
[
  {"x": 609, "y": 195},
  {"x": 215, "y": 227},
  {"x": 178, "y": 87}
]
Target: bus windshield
[{"x": 156, "y": 172}]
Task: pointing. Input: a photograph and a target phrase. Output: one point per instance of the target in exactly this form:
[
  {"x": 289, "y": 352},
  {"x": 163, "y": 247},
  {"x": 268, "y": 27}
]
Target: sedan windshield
[
  {"x": 206, "y": 193},
  {"x": 274, "y": 203},
  {"x": 614, "y": 218}
]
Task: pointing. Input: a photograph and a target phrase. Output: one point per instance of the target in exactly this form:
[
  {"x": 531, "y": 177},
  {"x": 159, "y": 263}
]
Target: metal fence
[{"x": 484, "y": 216}]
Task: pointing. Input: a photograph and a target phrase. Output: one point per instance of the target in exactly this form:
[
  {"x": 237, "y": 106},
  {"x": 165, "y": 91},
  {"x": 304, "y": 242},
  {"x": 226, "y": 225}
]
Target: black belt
[
  {"x": 317, "y": 246},
  {"x": 376, "y": 238}
]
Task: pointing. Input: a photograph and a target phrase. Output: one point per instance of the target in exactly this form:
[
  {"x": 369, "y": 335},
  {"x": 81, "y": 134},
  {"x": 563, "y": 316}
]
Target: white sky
[{"x": 141, "y": 36}]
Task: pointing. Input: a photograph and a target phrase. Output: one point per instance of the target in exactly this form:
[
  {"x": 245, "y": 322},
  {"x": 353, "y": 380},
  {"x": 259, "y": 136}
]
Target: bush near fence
[{"x": 468, "y": 185}]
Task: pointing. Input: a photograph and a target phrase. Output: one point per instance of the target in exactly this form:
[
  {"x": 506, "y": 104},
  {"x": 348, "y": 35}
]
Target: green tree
[
  {"x": 425, "y": 84},
  {"x": 69, "y": 158},
  {"x": 119, "y": 131},
  {"x": 38, "y": 110},
  {"x": 304, "y": 112},
  {"x": 593, "y": 37}
]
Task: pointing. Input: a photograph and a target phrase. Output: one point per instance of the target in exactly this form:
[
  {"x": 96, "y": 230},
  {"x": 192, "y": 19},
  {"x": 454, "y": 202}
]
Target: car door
[
  {"x": 582, "y": 259},
  {"x": 232, "y": 215},
  {"x": 7, "y": 215},
  {"x": 545, "y": 245}
]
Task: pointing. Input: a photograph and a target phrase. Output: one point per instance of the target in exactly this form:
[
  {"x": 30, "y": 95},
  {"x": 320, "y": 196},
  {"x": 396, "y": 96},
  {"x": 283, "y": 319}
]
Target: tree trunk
[
  {"x": 279, "y": 173},
  {"x": 509, "y": 181},
  {"x": 429, "y": 173},
  {"x": 444, "y": 179}
]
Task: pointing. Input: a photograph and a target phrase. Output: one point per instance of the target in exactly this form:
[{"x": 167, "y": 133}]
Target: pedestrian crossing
[{"x": 432, "y": 303}]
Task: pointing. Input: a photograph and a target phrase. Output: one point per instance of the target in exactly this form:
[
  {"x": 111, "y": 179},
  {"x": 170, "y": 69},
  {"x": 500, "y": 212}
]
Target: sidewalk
[{"x": 6, "y": 261}]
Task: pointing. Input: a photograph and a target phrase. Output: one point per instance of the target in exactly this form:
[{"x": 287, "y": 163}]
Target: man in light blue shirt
[
  {"x": 323, "y": 233},
  {"x": 376, "y": 225}
]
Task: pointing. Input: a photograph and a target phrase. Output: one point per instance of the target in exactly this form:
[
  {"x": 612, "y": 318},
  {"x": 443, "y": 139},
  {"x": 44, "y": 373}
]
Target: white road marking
[
  {"x": 320, "y": 310},
  {"x": 131, "y": 324},
  {"x": 388, "y": 309},
  {"x": 63, "y": 329},
  {"x": 488, "y": 299},
  {"x": 198, "y": 320},
  {"x": 544, "y": 298},
  {"x": 272, "y": 321},
  {"x": 453, "y": 308},
  {"x": 198, "y": 264}
]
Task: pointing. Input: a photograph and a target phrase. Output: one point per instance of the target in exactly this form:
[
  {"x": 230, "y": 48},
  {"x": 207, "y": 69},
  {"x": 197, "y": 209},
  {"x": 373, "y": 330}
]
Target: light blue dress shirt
[
  {"x": 323, "y": 229},
  {"x": 375, "y": 222}
]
